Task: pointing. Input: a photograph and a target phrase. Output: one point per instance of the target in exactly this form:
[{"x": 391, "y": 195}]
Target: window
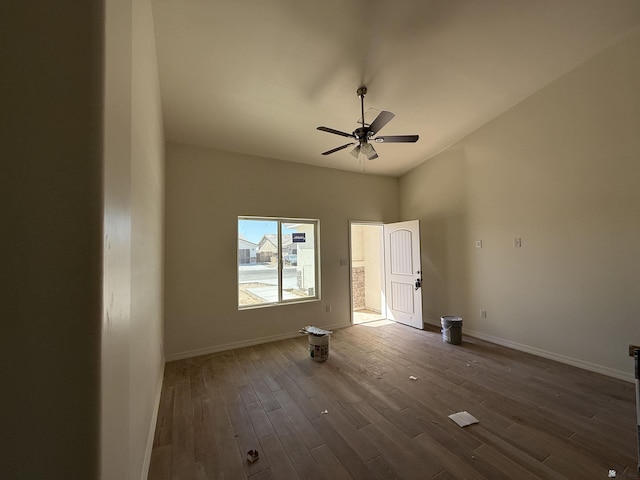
[{"x": 277, "y": 261}]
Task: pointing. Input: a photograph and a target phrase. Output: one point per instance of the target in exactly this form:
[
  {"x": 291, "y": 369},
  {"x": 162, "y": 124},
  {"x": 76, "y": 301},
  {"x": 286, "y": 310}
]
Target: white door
[{"x": 403, "y": 292}]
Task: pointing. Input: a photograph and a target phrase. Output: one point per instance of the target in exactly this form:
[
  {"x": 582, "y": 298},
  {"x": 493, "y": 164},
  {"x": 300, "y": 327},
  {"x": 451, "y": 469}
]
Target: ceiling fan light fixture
[
  {"x": 368, "y": 150},
  {"x": 356, "y": 151}
]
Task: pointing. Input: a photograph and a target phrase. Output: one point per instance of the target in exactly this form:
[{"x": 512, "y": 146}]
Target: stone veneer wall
[{"x": 357, "y": 278}]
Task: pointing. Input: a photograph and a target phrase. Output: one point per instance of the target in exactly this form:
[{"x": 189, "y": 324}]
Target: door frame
[{"x": 384, "y": 312}]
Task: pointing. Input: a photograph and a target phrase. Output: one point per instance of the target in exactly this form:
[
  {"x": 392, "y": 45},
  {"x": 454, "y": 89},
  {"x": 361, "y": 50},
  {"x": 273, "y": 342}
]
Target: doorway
[
  {"x": 367, "y": 279},
  {"x": 386, "y": 276}
]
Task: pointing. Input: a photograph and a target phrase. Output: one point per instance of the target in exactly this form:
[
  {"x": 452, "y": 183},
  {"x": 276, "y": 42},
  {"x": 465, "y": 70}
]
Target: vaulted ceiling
[{"x": 258, "y": 76}]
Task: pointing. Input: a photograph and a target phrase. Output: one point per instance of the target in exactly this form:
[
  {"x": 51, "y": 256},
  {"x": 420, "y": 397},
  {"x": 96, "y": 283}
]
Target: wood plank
[
  {"x": 301, "y": 423},
  {"x": 571, "y": 469},
  {"x": 204, "y": 444},
  {"x": 383, "y": 470},
  {"x": 343, "y": 450},
  {"x": 182, "y": 442},
  {"x": 276, "y": 456},
  {"x": 455, "y": 466},
  {"x": 447, "y": 438},
  {"x": 398, "y": 447},
  {"x": 160, "y": 466},
  {"x": 263, "y": 475},
  {"x": 245, "y": 437},
  {"x": 259, "y": 419},
  {"x": 507, "y": 467},
  {"x": 364, "y": 445},
  {"x": 229, "y": 460},
  {"x": 303, "y": 402},
  {"x": 162, "y": 436},
  {"x": 538, "y": 418},
  {"x": 329, "y": 464},
  {"x": 511, "y": 451},
  {"x": 298, "y": 454}
]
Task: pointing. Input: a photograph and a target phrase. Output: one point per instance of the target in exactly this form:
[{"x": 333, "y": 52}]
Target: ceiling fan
[{"x": 364, "y": 134}]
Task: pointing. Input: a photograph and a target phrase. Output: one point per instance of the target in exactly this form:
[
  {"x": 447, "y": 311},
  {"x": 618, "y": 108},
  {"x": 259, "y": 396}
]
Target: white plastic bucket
[
  {"x": 318, "y": 347},
  {"x": 451, "y": 329}
]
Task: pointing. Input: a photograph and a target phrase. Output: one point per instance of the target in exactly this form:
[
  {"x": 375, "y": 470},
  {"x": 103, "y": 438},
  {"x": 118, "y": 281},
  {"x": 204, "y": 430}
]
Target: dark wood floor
[{"x": 538, "y": 418}]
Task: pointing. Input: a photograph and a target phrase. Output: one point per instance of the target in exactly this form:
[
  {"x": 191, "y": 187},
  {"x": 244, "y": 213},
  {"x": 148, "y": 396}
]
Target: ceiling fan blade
[
  {"x": 337, "y": 132},
  {"x": 337, "y": 149},
  {"x": 380, "y": 121},
  {"x": 397, "y": 139}
]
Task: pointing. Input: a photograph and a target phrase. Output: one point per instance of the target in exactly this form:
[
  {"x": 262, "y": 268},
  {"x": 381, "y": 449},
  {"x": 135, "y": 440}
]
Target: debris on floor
[
  {"x": 463, "y": 418},
  {"x": 314, "y": 330},
  {"x": 412, "y": 377},
  {"x": 252, "y": 456},
  {"x": 325, "y": 411},
  {"x": 612, "y": 474}
]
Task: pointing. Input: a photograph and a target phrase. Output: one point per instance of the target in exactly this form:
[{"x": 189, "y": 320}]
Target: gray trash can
[{"x": 451, "y": 329}]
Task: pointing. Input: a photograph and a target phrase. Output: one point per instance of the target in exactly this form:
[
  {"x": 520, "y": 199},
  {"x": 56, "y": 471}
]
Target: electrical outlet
[
  {"x": 517, "y": 242},
  {"x": 478, "y": 243},
  {"x": 483, "y": 313},
  {"x": 632, "y": 348}
]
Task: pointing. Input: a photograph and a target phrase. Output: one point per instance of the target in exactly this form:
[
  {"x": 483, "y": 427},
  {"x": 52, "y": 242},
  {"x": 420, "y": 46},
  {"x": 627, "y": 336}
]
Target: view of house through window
[{"x": 277, "y": 260}]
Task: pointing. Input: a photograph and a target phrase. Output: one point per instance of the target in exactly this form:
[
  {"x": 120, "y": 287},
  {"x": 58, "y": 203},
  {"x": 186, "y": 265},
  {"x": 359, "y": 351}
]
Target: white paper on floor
[{"x": 463, "y": 418}]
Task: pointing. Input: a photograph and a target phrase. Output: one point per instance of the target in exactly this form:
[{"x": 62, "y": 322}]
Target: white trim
[
  {"x": 243, "y": 343},
  {"x": 152, "y": 428},
  {"x": 592, "y": 367}
]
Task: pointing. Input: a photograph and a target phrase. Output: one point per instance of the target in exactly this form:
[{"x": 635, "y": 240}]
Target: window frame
[{"x": 281, "y": 260}]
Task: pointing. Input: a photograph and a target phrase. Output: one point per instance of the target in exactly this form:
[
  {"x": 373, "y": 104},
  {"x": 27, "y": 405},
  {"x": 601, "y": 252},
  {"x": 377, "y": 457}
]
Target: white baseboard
[
  {"x": 152, "y": 427},
  {"x": 243, "y": 343},
  {"x": 593, "y": 367}
]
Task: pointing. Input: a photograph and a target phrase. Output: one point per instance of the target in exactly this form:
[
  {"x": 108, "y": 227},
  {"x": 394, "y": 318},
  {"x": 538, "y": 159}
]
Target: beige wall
[
  {"x": 81, "y": 193},
  {"x": 146, "y": 358},
  {"x": 115, "y": 418},
  {"x": 132, "y": 357},
  {"x": 561, "y": 170},
  {"x": 206, "y": 191},
  {"x": 51, "y": 203}
]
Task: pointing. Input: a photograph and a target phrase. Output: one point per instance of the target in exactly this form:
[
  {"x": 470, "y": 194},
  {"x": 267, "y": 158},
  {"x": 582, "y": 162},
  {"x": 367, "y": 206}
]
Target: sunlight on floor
[
  {"x": 366, "y": 315},
  {"x": 377, "y": 323}
]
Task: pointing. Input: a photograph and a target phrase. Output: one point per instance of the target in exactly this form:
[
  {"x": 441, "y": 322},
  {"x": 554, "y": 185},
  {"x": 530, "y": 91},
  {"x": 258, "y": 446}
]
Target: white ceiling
[{"x": 258, "y": 76}]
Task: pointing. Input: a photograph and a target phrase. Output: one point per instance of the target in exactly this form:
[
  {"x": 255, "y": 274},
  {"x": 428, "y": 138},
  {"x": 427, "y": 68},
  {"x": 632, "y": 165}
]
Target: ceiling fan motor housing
[{"x": 362, "y": 134}]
